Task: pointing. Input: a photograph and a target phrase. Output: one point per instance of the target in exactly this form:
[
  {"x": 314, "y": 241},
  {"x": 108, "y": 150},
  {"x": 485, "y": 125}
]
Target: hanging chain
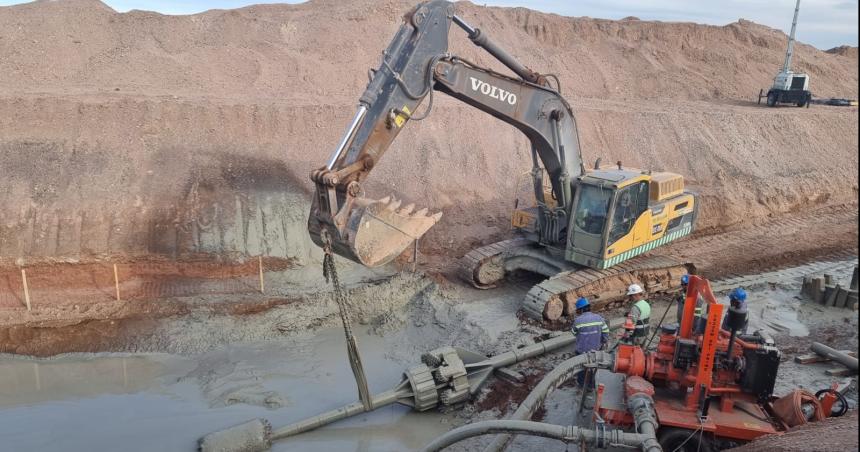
[{"x": 330, "y": 273}]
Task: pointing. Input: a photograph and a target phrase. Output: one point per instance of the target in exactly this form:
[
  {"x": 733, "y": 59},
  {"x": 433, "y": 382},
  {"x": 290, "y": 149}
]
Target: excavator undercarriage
[{"x": 556, "y": 296}]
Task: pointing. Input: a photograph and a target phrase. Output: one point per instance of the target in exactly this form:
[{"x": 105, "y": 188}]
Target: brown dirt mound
[
  {"x": 846, "y": 51},
  {"x": 828, "y": 435},
  {"x": 141, "y": 134}
]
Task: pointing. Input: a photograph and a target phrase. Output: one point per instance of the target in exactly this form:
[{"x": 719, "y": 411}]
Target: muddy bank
[{"x": 185, "y": 325}]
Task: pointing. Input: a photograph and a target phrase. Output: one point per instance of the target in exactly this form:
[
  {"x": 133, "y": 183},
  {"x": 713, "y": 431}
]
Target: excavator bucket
[{"x": 379, "y": 230}]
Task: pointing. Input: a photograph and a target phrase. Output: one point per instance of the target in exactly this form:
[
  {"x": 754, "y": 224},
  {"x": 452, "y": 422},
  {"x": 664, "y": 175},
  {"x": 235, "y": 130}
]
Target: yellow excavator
[{"x": 581, "y": 228}]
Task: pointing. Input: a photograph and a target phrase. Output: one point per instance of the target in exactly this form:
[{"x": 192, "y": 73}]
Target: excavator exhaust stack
[{"x": 376, "y": 231}]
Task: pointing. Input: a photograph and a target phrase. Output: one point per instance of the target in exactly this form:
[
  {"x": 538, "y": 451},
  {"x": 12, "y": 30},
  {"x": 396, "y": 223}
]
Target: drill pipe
[{"x": 257, "y": 436}]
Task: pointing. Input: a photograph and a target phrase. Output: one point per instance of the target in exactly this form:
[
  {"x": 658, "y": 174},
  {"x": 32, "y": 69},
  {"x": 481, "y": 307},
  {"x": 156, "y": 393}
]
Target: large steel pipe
[{"x": 835, "y": 355}]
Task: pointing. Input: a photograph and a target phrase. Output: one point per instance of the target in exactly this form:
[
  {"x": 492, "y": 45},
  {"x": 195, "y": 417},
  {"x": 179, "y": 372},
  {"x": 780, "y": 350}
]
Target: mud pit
[
  {"x": 206, "y": 370},
  {"x": 283, "y": 364}
]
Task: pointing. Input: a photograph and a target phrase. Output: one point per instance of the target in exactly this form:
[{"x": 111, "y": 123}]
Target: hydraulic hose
[
  {"x": 555, "y": 378},
  {"x": 559, "y": 432}
]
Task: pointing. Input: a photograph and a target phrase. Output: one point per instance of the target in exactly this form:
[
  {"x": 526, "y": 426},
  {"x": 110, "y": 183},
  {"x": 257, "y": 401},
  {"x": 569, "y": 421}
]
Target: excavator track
[
  {"x": 556, "y": 296},
  {"x": 483, "y": 267}
]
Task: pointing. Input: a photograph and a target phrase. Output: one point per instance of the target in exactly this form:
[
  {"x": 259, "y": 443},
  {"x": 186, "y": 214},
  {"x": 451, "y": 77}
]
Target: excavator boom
[{"x": 415, "y": 63}]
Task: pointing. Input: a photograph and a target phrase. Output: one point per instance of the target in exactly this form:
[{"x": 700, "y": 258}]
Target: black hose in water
[{"x": 552, "y": 380}]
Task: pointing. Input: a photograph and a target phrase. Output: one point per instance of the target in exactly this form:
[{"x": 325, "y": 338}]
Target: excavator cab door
[
  {"x": 631, "y": 202},
  {"x": 591, "y": 216}
]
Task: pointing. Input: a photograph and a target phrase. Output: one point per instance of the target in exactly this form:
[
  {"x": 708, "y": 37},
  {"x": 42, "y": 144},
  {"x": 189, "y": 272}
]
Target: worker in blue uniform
[{"x": 590, "y": 330}]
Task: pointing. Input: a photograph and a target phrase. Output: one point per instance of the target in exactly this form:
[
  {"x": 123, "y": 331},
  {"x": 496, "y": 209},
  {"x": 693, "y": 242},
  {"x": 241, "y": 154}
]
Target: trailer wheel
[
  {"x": 801, "y": 104},
  {"x": 683, "y": 440},
  {"x": 771, "y": 99}
]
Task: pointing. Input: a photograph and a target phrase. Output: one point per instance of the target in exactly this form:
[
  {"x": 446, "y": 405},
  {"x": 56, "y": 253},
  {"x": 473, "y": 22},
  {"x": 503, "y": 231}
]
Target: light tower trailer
[{"x": 789, "y": 87}]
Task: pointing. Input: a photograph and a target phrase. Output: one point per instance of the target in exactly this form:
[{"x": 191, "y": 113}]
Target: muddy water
[
  {"x": 85, "y": 402},
  {"x": 26, "y": 382}
]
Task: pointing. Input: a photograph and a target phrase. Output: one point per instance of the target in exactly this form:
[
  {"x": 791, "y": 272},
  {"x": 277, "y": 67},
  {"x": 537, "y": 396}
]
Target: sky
[{"x": 822, "y": 23}]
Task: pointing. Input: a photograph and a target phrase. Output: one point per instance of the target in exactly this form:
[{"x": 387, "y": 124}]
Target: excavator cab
[{"x": 620, "y": 213}]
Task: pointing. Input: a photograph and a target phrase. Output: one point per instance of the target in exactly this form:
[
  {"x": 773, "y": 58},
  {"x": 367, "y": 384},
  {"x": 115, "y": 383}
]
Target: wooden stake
[
  {"x": 262, "y": 284},
  {"x": 26, "y": 289},
  {"x": 116, "y": 281}
]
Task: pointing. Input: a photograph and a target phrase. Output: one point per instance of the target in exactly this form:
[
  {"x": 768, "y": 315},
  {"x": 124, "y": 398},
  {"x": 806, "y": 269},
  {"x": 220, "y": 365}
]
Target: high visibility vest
[{"x": 644, "y": 312}]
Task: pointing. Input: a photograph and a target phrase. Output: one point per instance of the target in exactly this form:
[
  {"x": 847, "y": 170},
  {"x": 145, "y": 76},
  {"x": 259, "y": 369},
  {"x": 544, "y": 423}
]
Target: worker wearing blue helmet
[
  {"x": 738, "y": 301},
  {"x": 590, "y": 330}
]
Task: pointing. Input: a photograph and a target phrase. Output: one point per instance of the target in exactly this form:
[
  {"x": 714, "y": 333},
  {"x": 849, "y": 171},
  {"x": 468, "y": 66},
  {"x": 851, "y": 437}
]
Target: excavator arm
[{"x": 415, "y": 64}]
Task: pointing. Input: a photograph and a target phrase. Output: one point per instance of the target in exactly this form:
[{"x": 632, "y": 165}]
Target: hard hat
[
  {"x": 738, "y": 294},
  {"x": 634, "y": 289},
  {"x": 685, "y": 279},
  {"x": 581, "y": 303}
]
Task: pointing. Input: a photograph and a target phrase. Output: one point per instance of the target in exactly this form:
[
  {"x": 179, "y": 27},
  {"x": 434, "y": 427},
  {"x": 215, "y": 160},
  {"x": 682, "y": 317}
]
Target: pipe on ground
[
  {"x": 835, "y": 355},
  {"x": 552, "y": 380},
  {"x": 559, "y": 432},
  {"x": 641, "y": 405}
]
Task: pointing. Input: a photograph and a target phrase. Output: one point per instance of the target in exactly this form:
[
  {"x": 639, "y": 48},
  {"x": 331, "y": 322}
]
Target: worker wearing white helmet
[{"x": 640, "y": 314}]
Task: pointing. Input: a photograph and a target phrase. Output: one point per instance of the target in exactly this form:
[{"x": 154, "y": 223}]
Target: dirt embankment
[
  {"x": 140, "y": 133},
  {"x": 136, "y": 135},
  {"x": 830, "y": 434}
]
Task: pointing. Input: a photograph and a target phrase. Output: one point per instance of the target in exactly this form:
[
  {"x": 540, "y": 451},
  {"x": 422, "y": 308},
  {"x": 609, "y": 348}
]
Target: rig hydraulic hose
[
  {"x": 555, "y": 378},
  {"x": 559, "y": 432}
]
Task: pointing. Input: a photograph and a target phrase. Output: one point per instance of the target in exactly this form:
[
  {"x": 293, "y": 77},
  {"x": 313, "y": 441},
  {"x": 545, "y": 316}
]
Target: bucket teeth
[{"x": 380, "y": 230}]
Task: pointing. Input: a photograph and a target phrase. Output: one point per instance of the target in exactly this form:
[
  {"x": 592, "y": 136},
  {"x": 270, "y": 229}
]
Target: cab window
[
  {"x": 592, "y": 209},
  {"x": 630, "y": 203}
]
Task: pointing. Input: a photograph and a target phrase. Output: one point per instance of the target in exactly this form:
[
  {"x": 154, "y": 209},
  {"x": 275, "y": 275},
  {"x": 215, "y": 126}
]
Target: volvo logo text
[{"x": 493, "y": 91}]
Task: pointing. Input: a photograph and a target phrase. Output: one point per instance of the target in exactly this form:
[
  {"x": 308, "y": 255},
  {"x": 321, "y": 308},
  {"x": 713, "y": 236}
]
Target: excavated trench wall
[{"x": 145, "y": 135}]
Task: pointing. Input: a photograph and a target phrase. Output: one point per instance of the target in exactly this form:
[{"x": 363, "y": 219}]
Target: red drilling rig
[{"x": 710, "y": 389}]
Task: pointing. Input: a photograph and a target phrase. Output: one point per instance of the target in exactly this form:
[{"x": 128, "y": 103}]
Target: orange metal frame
[
  {"x": 704, "y": 380},
  {"x": 723, "y": 420}
]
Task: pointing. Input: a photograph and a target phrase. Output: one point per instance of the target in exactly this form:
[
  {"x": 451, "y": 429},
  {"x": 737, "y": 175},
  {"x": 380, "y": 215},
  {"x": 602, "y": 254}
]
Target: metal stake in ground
[{"x": 330, "y": 273}]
